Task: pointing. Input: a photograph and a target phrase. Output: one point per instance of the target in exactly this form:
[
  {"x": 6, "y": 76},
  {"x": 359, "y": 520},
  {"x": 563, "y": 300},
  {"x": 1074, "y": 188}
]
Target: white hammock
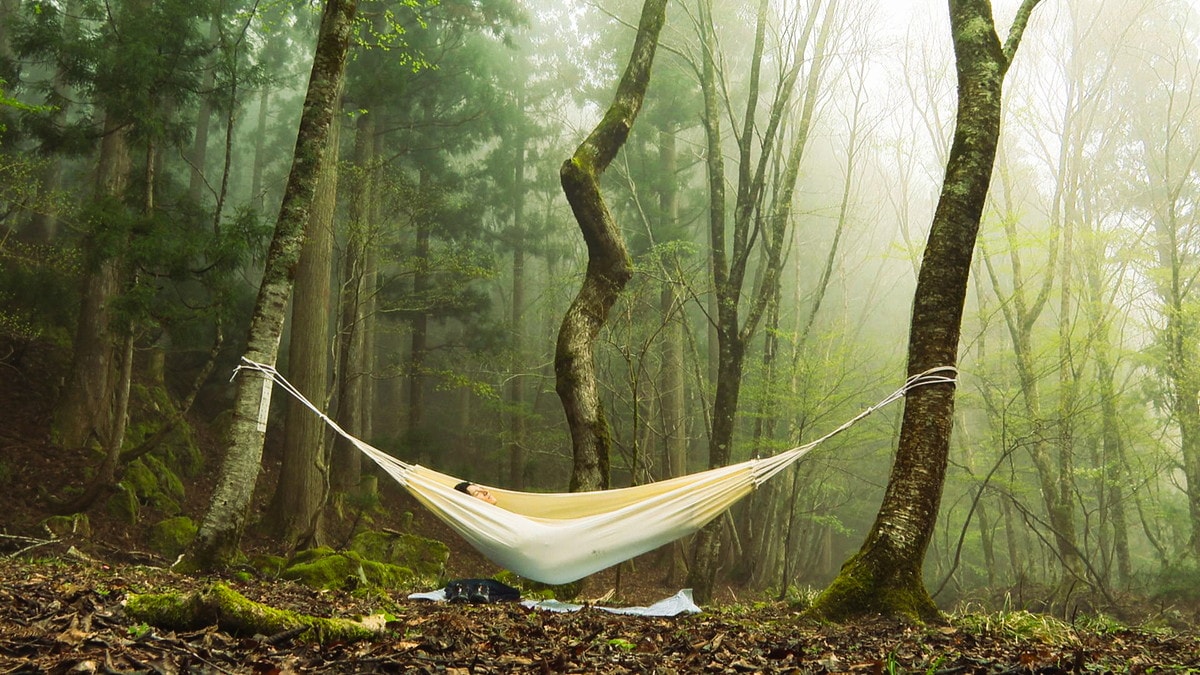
[{"x": 560, "y": 537}]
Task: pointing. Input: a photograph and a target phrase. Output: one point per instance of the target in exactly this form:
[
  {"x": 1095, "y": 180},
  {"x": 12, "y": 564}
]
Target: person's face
[{"x": 481, "y": 493}]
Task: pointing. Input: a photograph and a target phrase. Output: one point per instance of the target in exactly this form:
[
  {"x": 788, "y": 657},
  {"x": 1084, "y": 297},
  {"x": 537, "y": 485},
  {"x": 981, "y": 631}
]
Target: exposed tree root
[{"x": 222, "y": 606}]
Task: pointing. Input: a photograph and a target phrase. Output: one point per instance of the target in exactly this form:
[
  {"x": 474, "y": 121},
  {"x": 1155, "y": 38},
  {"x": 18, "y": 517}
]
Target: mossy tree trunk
[
  {"x": 885, "y": 575},
  {"x": 217, "y": 542},
  {"x": 608, "y": 268}
]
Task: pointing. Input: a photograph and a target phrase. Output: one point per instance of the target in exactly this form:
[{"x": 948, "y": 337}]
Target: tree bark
[
  {"x": 517, "y": 427},
  {"x": 85, "y": 408},
  {"x": 608, "y": 268},
  {"x": 199, "y": 153},
  {"x": 303, "y": 476},
  {"x": 43, "y": 224},
  {"x": 260, "y": 140},
  {"x": 729, "y": 267},
  {"x": 885, "y": 575},
  {"x": 418, "y": 350},
  {"x": 220, "y": 533},
  {"x": 353, "y": 333}
]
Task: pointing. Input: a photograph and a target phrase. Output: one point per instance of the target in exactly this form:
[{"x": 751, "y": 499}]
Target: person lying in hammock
[{"x": 476, "y": 491}]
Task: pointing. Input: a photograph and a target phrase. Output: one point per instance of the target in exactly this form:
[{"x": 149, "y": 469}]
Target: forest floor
[
  {"x": 62, "y": 606},
  {"x": 66, "y": 615}
]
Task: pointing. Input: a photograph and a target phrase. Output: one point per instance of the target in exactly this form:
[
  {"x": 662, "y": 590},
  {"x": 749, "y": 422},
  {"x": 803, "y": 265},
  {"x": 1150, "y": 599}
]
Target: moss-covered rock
[
  {"x": 76, "y": 524},
  {"x": 169, "y": 483},
  {"x": 327, "y": 569},
  {"x": 270, "y": 566},
  {"x": 530, "y": 588},
  {"x": 221, "y": 605},
  {"x": 140, "y": 479},
  {"x": 153, "y": 483},
  {"x": 426, "y": 557},
  {"x": 123, "y": 504},
  {"x": 172, "y": 536}
]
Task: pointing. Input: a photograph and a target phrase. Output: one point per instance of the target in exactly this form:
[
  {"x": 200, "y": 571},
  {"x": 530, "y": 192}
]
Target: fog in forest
[{"x": 146, "y": 149}]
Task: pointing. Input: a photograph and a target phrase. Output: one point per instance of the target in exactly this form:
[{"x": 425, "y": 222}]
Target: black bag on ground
[{"x": 480, "y": 591}]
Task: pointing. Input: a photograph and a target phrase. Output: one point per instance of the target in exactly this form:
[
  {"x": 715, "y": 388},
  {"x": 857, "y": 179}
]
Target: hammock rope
[{"x": 560, "y": 537}]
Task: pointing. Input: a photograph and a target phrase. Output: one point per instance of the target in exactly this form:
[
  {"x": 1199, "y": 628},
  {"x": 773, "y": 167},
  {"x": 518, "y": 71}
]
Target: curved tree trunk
[
  {"x": 885, "y": 575},
  {"x": 220, "y": 533},
  {"x": 609, "y": 267}
]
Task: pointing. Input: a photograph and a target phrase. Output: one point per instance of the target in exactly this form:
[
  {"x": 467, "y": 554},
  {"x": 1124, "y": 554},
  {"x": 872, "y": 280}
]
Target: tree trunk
[
  {"x": 516, "y": 386},
  {"x": 9, "y": 13},
  {"x": 608, "y": 268},
  {"x": 43, "y": 224},
  {"x": 357, "y": 293},
  {"x": 885, "y": 575},
  {"x": 672, "y": 407},
  {"x": 347, "y": 460},
  {"x": 199, "y": 154},
  {"x": 1113, "y": 477},
  {"x": 260, "y": 140},
  {"x": 418, "y": 440},
  {"x": 303, "y": 476},
  {"x": 729, "y": 267},
  {"x": 86, "y": 405},
  {"x": 672, "y": 404},
  {"x": 220, "y": 533},
  {"x": 373, "y": 210},
  {"x": 702, "y": 574}
]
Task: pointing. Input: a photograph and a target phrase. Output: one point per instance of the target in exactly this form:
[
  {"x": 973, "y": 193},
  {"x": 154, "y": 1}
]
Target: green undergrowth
[{"x": 1018, "y": 624}]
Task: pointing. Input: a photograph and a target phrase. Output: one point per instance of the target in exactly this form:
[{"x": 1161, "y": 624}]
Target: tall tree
[
  {"x": 133, "y": 97},
  {"x": 608, "y": 268},
  {"x": 300, "y": 492},
  {"x": 1165, "y": 138},
  {"x": 885, "y": 575},
  {"x": 220, "y": 532},
  {"x": 357, "y": 287},
  {"x": 732, "y": 244}
]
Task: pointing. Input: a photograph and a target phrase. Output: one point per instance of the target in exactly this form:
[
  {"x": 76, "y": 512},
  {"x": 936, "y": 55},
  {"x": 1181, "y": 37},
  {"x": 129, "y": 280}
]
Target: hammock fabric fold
[{"x": 556, "y": 538}]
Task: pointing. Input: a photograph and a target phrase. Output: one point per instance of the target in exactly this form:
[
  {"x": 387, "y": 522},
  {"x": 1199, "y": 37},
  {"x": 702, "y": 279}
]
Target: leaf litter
[{"x": 66, "y": 616}]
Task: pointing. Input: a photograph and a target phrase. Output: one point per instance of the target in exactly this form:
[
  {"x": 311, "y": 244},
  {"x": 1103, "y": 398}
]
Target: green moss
[
  {"x": 140, "y": 479},
  {"x": 424, "y": 556},
  {"x": 123, "y": 504},
  {"x": 322, "y": 568},
  {"x": 312, "y": 555},
  {"x": 332, "y": 571},
  {"x": 172, "y": 536},
  {"x": 165, "y": 610},
  {"x": 233, "y": 612},
  {"x": 152, "y": 483},
  {"x": 167, "y": 480},
  {"x": 976, "y": 29},
  {"x": 270, "y": 566},
  {"x": 537, "y": 590},
  {"x": 859, "y": 591},
  {"x": 75, "y": 524}
]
